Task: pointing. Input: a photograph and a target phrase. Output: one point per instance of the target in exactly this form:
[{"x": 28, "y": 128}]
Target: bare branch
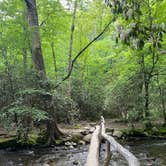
[{"x": 83, "y": 50}]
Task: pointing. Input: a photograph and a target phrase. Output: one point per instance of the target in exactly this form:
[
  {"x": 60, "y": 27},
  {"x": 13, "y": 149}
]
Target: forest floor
[
  {"x": 83, "y": 125},
  {"x": 80, "y": 126}
]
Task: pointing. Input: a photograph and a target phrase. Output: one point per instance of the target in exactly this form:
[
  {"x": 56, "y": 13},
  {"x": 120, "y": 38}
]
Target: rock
[
  {"x": 85, "y": 132},
  {"x": 110, "y": 130},
  {"x": 76, "y": 137},
  {"x": 110, "y": 133},
  {"x": 76, "y": 162},
  {"x": 71, "y": 147},
  {"x": 87, "y": 138},
  {"x": 92, "y": 124},
  {"x": 92, "y": 129},
  {"x": 46, "y": 164},
  {"x": 81, "y": 142},
  {"x": 68, "y": 143},
  {"x": 146, "y": 133},
  {"x": 67, "y": 139},
  {"x": 73, "y": 144},
  {"x": 154, "y": 129},
  {"x": 118, "y": 134},
  {"x": 86, "y": 128}
]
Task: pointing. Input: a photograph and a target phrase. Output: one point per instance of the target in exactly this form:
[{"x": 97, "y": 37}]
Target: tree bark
[
  {"x": 69, "y": 117},
  {"x": 37, "y": 56},
  {"x": 53, "y": 56},
  {"x": 52, "y": 130},
  {"x": 146, "y": 98},
  {"x": 146, "y": 81}
]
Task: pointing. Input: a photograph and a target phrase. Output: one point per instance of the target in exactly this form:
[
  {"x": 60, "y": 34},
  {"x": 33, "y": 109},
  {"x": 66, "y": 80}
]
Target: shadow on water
[{"x": 149, "y": 152}]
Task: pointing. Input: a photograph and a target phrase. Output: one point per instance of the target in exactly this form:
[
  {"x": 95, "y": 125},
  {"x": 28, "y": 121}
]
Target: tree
[
  {"x": 142, "y": 33},
  {"x": 52, "y": 130}
]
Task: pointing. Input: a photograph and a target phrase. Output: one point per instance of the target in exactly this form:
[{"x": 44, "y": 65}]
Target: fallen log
[{"x": 94, "y": 149}]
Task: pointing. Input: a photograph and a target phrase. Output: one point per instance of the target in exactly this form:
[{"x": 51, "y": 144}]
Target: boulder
[
  {"x": 92, "y": 129},
  {"x": 155, "y": 130},
  {"x": 87, "y": 138},
  {"x": 81, "y": 142},
  {"x": 118, "y": 134},
  {"x": 76, "y": 162}
]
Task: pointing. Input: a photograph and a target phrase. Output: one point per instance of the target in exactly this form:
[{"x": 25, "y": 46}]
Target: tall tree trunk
[
  {"x": 10, "y": 79},
  {"x": 53, "y": 56},
  {"x": 37, "y": 57},
  {"x": 69, "y": 116},
  {"x": 146, "y": 82},
  {"x": 35, "y": 38},
  {"x": 146, "y": 86}
]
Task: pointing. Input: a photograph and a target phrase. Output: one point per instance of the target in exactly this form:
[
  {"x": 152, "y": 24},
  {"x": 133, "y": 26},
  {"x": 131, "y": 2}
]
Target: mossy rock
[
  {"x": 77, "y": 126},
  {"x": 8, "y": 142},
  {"x": 41, "y": 138},
  {"x": 76, "y": 137},
  {"x": 134, "y": 133},
  {"x": 59, "y": 142},
  {"x": 147, "y": 125},
  {"x": 162, "y": 130}
]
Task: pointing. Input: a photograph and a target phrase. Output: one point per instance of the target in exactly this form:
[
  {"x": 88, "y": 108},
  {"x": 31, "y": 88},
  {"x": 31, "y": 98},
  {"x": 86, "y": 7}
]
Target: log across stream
[
  {"x": 94, "y": 150},
  {"x": 149, "y": 152}
]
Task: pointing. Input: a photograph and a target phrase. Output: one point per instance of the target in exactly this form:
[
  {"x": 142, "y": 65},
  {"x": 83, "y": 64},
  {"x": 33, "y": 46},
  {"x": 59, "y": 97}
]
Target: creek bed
[{"x": 149, "y": 152}]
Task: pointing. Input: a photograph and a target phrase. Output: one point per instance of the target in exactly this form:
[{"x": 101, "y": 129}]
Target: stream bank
[{"x": 149, "y": 152}]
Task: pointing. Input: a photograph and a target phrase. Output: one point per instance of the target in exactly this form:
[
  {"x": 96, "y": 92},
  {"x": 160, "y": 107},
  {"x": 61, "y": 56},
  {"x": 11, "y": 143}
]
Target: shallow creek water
[{"x": 149, "y": 152}]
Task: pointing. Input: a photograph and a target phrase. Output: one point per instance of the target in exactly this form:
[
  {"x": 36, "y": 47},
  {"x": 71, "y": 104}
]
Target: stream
[{"x": 149, "y": 152}]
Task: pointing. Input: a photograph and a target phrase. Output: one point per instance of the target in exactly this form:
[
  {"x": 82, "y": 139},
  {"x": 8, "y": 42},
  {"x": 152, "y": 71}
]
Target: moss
[
  {"x": 7, "y": 142},
  {"x": 155, "y": 131},
  {"x": 41, "y": 137},
  {"x": 12, "y": 142},
  {"x": 134, "y": 133},
  {"x": 77, "y": 126},
  {"x": 76, "y": 138},
  {"x": 162, "y": 130},
  {"x": 59, "y": 142}
]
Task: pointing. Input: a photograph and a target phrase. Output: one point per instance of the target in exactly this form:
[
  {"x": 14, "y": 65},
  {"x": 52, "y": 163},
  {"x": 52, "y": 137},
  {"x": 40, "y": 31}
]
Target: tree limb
[{"x": 81, "y": 51}]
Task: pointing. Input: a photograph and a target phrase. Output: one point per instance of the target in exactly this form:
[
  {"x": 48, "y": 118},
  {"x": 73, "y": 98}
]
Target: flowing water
[{"x": 149, "y": 152}]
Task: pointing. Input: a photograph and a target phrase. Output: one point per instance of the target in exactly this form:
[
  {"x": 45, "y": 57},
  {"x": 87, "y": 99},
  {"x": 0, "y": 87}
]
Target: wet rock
[
  {"x": 71, "y": 147},
  {"x": 85, "y": 132},
  {"x": 30, "y": 152},
  {"x": 118, "y": 134},
  {"x": 87, "y": 138},
  {"x": 76, "y": 162},
  {"x": 69, "y": 138},
  {"x": 74, "y": 144},
  {"x": 68, "y": 143},
  {"x": 76, "y": 137},
  {"x": 81, "y": 142}
]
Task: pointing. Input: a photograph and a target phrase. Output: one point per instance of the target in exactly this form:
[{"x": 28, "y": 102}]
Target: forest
[{"x": 66, "y": 63}]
